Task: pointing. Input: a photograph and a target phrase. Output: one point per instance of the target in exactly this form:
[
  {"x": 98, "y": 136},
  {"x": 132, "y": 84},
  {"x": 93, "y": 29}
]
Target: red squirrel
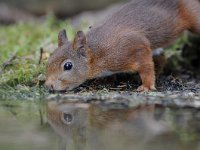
[{"x": 122, "y": 43}]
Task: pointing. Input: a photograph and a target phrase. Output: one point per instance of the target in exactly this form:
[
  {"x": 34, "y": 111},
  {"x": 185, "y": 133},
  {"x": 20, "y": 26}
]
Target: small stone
[
  {"x": 41, "y": 77},
  {"x": 197, "y": 104},
  {"x": 173, "y": 96},
  {"x": 188, "y": 95}
]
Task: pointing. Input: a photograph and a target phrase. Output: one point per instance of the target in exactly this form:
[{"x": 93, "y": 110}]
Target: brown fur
[{"x": 124, "y": 42}]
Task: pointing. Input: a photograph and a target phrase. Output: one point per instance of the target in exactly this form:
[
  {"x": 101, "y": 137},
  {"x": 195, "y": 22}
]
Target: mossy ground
[{"x": 20, "y": 78}]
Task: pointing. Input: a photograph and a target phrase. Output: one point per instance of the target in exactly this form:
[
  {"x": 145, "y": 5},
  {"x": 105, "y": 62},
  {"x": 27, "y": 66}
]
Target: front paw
[{"x": 143, "y": 88}]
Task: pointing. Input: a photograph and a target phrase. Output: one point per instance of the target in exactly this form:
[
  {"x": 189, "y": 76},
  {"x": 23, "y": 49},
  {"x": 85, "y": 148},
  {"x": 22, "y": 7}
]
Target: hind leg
[
  {"x": 197, "y": 25},
  {"x": 193, "y": 14}
]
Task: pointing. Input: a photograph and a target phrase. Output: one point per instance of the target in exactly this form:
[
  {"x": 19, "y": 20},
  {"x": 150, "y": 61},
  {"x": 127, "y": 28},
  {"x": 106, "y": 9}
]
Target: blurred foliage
[
  {"x": 183, "y": 55},
  {"x": 28, "y": 38},
  {"x": 178, "y": 45}
]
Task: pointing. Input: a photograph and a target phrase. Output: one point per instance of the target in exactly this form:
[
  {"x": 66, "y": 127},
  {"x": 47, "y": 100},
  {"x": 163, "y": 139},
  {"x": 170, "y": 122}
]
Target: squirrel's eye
[
  {"x": 67, "y": 118},
  {"x": 67, "y": 66}
]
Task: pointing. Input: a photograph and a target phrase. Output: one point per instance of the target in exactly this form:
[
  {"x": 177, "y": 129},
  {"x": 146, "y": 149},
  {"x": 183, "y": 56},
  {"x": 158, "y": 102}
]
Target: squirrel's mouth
[
  {"x": 68, "y": 88},
  {"x": 57, "y": 91}
]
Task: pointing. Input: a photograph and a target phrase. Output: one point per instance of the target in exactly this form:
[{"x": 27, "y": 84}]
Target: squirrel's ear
[
  {"x": 62, "y": 37},
  {"x": 80, "y": 40}
]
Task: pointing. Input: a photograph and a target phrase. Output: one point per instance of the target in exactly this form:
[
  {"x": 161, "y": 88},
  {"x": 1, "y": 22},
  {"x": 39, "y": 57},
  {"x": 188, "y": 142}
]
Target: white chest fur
[{"x": 105, "y": 73}]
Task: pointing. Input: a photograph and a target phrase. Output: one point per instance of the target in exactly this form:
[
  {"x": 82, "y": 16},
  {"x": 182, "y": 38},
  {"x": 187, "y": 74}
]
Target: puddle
[{"x": 74, "y": 125}]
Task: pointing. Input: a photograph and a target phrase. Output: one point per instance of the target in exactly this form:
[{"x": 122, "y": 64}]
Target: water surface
[{"x": 74, "y": 125}]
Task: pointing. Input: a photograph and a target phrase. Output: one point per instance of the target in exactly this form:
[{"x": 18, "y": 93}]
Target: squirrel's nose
[
  {"x": 51, "y": 89},
  {"x": 49, "y": 86}
]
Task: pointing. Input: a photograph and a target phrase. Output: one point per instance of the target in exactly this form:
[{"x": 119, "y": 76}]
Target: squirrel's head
[
  {"x": 68, "y": 65},
  {"x": 66, "y": 117}
]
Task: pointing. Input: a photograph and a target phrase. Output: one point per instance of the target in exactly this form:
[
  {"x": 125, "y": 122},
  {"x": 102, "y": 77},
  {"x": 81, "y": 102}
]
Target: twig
[
  {"x": 117, "y": 88},
  {"x": 8, "y": 62},
  {"x": 41, "y": 52}
]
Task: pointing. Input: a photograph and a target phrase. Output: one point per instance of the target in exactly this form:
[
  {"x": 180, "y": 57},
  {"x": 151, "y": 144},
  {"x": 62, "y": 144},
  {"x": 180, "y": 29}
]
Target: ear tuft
[
  {"x": 80, "y": 40},
  {"x": 62, "y": 38}
]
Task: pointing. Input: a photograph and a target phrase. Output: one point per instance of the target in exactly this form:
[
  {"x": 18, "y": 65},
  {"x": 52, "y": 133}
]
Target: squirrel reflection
[{"x": 90, "y": 126}]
